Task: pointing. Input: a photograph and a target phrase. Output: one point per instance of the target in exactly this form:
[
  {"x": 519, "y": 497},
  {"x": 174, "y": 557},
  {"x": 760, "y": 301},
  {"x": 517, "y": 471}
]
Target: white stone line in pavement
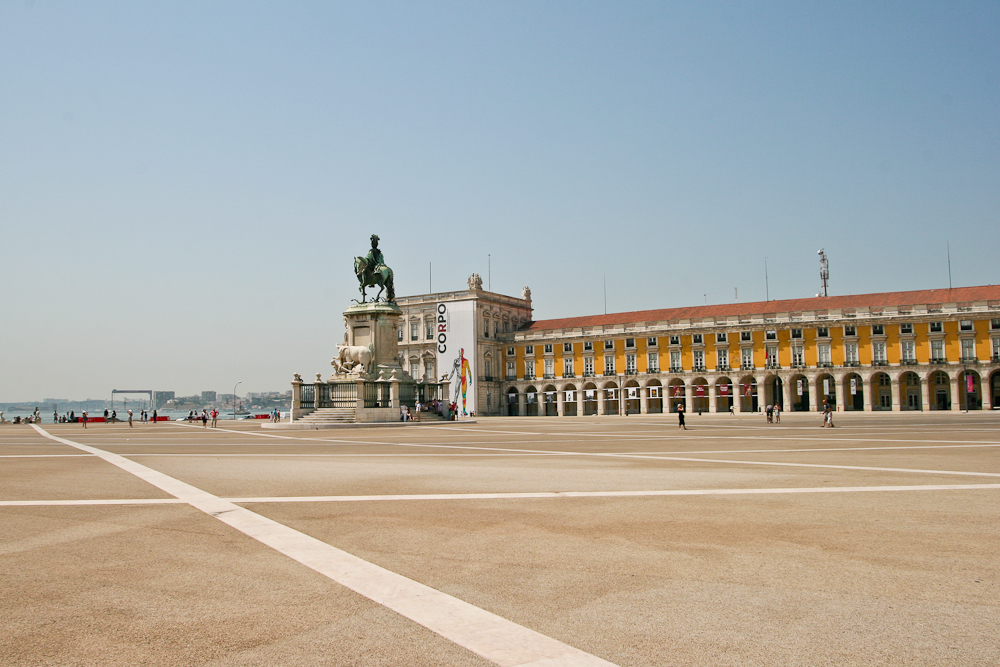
[
  {"x": 474, "y": 430},
  {"x": 44, "y": 456},
  {"x": 518, "y": 495},
  {"x": 494, "y": 638},
  {"x": 728, "y": 461},
  {"x": 493, "y": 455},
  {"x": 615, "y": 494},
  {"x": 96, "y": 501},
  {"x": 693, "y": 459}
]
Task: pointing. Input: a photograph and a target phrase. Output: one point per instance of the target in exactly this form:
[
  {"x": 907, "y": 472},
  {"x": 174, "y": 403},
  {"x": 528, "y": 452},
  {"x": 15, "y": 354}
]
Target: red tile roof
[{"x": 878, "y": 300}]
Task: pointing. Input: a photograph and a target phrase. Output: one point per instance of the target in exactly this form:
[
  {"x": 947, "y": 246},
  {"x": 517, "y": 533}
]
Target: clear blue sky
[{"x": 183, "y": 185}]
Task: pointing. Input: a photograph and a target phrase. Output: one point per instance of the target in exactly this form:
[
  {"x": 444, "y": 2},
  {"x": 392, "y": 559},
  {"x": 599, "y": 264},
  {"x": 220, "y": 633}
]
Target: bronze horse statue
[{"x": 381, "y": 276}]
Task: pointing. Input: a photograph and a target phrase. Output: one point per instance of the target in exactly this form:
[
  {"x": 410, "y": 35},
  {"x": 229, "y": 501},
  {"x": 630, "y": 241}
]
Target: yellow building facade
[{"x": 919, "y": 350}]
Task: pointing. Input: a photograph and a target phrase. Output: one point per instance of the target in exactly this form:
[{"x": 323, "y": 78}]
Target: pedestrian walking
[
  {"x": 114, "y": 415},
  {"x": 55, "y": 416},
  {"x": 204, "y": 418},
  {"x": 827, "y": 415},
  {"x": 777, "y": 413},
  {"x": 106, "y": 414},
  {"x": 83, "y": 419},
  {"x": 130, "y": 419},
  {"x": 154, "y": 416},
  {"x": 769, "y": 411},
  {"x": 680, "y": 417},
  {"x": 215, "y": 417}
]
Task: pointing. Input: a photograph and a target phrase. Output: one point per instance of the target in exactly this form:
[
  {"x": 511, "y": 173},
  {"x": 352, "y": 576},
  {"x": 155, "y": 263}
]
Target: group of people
[
  {"x": 204, "y": 416},
  {"x": 436, "y": 406},
  {"x": 773, "y": 413}
]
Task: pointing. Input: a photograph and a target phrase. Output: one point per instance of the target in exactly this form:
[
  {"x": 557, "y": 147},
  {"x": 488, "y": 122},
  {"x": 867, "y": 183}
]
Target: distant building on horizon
[
  {"x": 161, "y": 397},
  {"x": 208, "y": 397}
]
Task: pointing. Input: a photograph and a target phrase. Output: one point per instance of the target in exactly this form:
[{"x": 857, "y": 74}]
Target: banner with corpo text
[{"x": 455, "y": 340}]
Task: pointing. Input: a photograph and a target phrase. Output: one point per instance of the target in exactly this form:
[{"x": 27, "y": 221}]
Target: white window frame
[
  {"x": 676, "y": 363},
  {"x": 850, "y": 353},
  {"x": 722, "y": 357},
  {"x": 609, "y": 364},
  {"x": 630, "y": 364},
  {"x": 878, "y": 351},
  {"x": 529, "y": 369},
  {"x": 746, "y": 357},
  {"x": 937, "y": 350},
  {"x": 823, "y": 353},
  {"x": 652, "y": 362},
  {"x": 550, "y": 368},
  {"x": 568, "y": 367},
  {"x": 699, "y": 360},
  {"x": 588, "y": 366}
]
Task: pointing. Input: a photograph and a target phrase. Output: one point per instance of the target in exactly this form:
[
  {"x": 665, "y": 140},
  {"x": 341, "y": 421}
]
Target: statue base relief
[{"x": 370, "y": 346}]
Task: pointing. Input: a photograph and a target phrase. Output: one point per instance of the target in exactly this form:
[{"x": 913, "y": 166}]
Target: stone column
[
  {"x": 838, "y": 391},
  {"x": 296, "y": 398},
  {"x": 956, "y": 394},
  {"x": 896, "y": 403},
  {"x": 394, "y": 391},
  {"x": 925, "y": 395},
  {"x": 522, "y": 405},
  {"x": 361, "y": 396},
  {"x": 870, "y": 389},
  {"x": 601, "y": 401},
  {"x": 789, "y": 393},
  {"x": 579, "y": 403},
  {"x": 688, "y": 388},
  {"x": 560, "y": 400},
  {"x": 713, "y": 398},
  {"x": 643, "y": 400}
]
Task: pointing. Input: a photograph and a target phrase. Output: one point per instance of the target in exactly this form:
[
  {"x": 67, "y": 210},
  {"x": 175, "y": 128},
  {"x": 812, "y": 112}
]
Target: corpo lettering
[{"x": 442, "y": 328}]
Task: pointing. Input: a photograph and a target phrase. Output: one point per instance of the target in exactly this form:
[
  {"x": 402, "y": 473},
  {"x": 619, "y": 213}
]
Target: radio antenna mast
[{"x": 824, "y": 273}]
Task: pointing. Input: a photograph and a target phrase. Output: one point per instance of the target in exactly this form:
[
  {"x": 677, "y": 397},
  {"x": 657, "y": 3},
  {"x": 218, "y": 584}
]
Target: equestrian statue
[{"x": 371, "y": 270}]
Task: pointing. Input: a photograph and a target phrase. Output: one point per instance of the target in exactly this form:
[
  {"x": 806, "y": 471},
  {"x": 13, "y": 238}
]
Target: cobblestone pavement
[{"x": 511, "y": 541}]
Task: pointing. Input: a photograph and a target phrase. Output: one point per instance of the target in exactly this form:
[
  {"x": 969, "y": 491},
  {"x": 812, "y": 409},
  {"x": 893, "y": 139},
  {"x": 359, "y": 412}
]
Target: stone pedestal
[{"x": 375, "y": 326}]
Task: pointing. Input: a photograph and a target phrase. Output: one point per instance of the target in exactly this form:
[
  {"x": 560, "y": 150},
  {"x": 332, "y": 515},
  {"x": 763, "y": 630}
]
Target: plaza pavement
[{"x": 512, "y": 541}]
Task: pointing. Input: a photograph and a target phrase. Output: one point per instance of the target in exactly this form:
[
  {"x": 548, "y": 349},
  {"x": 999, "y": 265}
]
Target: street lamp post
[{"x": 234, "y": 398}]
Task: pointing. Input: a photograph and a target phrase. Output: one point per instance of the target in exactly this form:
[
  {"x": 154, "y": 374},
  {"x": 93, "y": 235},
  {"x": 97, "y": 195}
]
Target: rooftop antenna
[
  {"x": 767, "y": 290},
  {"x": 736, "y": 294},
  {"x": 824, "y": 273},
  {"x": 948, "y": 246}
]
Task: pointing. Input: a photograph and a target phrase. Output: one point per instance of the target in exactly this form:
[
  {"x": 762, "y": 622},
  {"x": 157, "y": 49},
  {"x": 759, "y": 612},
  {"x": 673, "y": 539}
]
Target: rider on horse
[
  {"x": 371, "y": 270},
  {"x": 374, "y": 258}
]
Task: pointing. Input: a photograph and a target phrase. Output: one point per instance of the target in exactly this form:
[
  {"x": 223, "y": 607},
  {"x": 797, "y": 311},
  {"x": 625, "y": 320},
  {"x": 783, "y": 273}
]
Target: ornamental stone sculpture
[{"x": 371, "y": 270}]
